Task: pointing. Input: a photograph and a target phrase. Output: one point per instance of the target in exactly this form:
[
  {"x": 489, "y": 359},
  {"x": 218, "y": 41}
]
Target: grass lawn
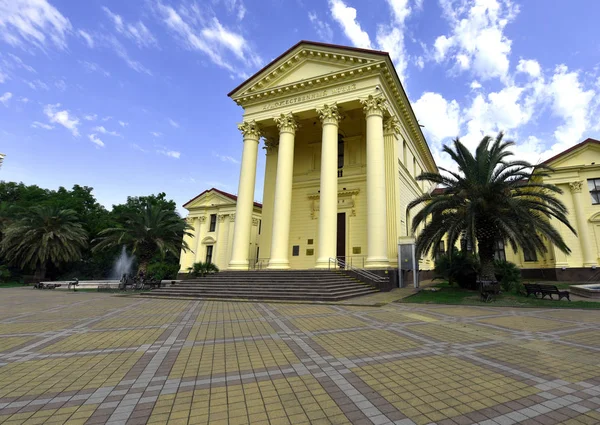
[{"x": 452, "y": 295}]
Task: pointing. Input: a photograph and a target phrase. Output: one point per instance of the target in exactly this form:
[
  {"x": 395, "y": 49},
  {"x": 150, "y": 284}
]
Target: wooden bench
[
  {"x": 543, "y": 290},
  {"x": 488, "y": 289}
]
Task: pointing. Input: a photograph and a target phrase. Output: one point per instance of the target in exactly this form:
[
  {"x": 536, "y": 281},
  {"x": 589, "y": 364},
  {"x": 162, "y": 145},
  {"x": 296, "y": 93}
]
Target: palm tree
[
  {"x": 490, "y": 198},
  {"x": 151, "y": 229},
  {"x": 43, "y": 234}
]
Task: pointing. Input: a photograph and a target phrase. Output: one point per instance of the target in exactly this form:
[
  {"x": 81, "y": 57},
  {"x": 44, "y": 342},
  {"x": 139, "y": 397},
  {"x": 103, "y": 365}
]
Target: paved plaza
[{"x": 87, "y": 358}]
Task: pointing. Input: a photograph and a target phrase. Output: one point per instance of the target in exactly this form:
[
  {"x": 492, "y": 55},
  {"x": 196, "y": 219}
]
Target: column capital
[
  {"x": 391, "y": 125},
  {"x": 232, "y": 217},
  {"x": 374, "y": 105},
  {"x": 250, "y": 129},
  {"x": 222, "y": 217},
  {"x": 329, "y": 114},
  {"x": 271, "y": 144},
  {"x": 202, "y": 218},
  {"x": 286, "y": 123},
  {"x": 576, "y": 186}
]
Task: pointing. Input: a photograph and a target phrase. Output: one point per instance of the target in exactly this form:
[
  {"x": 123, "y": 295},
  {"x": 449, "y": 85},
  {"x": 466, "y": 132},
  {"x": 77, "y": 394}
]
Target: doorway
[
  {"x": 341, "y": 236},
  {"x": 209, "y": 253}
]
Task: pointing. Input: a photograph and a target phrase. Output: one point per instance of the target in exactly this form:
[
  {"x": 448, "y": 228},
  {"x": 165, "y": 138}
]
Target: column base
[
  {"x": 590, "y": 264},
  {"x": 278, "y": 265},
  {"x": 325, "y": 263},
  {"x": 238, "y": 265},
  {"x": 377, "y": 263}
]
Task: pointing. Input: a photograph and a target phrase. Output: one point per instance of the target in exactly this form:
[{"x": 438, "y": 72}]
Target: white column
[
  {"x": 588, "y": 253},
  {"x": 220, "y": 251},
  {"x": 283, "y": 193},
  {"x": 245, "y": 201},
  {"x": 327, "y": 247},
  {"x": 200, "y": 231},
  {"x": 391, "y": 129},
  {"x": 376, "y": 199}
]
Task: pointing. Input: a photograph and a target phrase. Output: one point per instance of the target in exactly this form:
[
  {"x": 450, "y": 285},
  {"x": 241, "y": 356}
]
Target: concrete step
[{"x": 300, "y": 285}]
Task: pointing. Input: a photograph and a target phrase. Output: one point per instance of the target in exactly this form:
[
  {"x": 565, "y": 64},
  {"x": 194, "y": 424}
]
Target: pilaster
[{"x": 589, "y": 255}]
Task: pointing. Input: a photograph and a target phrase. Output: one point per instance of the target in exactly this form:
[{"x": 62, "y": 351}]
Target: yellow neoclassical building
[
  {"x": 343, "y": 147},
  {"x": 211, "y": 215},
  {"x": 577, "y": 172}
]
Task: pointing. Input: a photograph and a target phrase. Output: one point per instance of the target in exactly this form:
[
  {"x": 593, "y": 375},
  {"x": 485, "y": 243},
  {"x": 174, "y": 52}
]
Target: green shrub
[
  {"x": 202, "y": 269},
  {"x": 5, "y": 274},
  {"x": 162, "y": 271},
  {"x": 508, "y": 274},
  {"x": 459, "y": 268}
]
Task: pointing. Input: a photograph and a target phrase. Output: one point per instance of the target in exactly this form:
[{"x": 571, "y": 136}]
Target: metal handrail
[{"x": 341, "y": 264}]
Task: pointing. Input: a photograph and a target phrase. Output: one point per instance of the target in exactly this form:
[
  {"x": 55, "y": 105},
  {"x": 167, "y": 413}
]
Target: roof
[
  {"x": 571, "y": 149},
  {"x": 229, "y": 195},
  {"x": 308, "y": 43},
  {"x": 385, "y": 55}
]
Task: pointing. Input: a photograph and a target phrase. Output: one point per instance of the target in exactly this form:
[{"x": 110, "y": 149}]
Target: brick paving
[{"x": 85, "y": 358}]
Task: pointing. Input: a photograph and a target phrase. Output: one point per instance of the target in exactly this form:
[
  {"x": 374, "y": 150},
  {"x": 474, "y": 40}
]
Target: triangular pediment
[
  {"x": 304, "y": 62},
  {"x": 580, "y": 155},
  {"x": 210, "y": 198}
]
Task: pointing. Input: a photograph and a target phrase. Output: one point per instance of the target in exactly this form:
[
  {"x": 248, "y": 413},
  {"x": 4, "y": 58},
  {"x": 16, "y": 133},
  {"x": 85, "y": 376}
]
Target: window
[
  {"x": 499, "y": 253},
  {"x": 404, "y": 152},
  {"x": 213, "y": 223},
  {"x": 340, "y": 151},
  {"x": 594, "y": 187},
  {"x": 465, "y": 245},
  {"x": 209, "y": 250},
  {"x": 529, "y": 256},
  {"x": 309, "y": 241},
  {"x": 259, "y": 227},
  {"x": 440, "y": 250},
  {"x": 296, "y": 250}
]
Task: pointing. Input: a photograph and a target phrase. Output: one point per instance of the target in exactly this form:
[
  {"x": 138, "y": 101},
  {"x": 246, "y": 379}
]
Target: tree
[
  {"x": 43, "y": 235},
  {"x": 147, "y": 230},
  {"x": 490, "y": 198}
]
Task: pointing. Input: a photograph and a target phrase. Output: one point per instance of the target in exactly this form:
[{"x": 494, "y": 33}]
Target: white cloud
[
  {"x": 346, "y": 18},
  {"x": 226, "y": 158},
  {"x": 96, "y": 140},
  {"x": 475, "y": 85},
  {"x": 122, "y": 53},
  {"x": 169, "y": 153},
  {"x": 156, "y": 133},
  {"x": 3, "y": 77},
  {"x": 63, "y": 118},
  {"x": 107, "y": 118},
  {"x": 223, "y": 46},
  {"x": 123, "y": 123},
  {"x": 138, "y": 148},
  {"x": 173, "y": 123},
  {"x": 100, "y": 129},
  {"x": 37, "y": 84},
  {"x": 477, "y": 40},
  {"x": 94, "y": 67},
  {"x": 23, "y": 99},
  {"x": 571, "y": 103},
  {"x": 531, "y": 67},
  {"x": 322, "y": 28},
  {"x": 20, "y": 64},
  {"x": 32, "y": 21},
  {"x": 90, "y": 117},
  {"x": 391, "y": 40},
  {"x": 137, "y": 32},
  {"x": 5, "y": 98},
  {"x": 87, "y": 37},
  {"x": 60, "y": 85},
  {"x": 440, "y": 118},
  {"x": 237, "y": 7},
  {"x": 37, "y": 124}
]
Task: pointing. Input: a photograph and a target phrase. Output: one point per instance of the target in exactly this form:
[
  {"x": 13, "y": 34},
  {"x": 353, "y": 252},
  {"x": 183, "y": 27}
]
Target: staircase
[{"x": 288, "y": 285}]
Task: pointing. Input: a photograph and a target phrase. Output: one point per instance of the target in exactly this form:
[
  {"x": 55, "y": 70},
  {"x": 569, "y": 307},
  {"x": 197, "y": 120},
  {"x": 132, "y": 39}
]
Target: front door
[{"x": 341, "y": 236}]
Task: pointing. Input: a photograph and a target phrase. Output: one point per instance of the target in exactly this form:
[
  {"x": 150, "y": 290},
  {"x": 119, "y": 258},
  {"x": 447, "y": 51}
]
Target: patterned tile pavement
[{"x": 85, "y": 358}]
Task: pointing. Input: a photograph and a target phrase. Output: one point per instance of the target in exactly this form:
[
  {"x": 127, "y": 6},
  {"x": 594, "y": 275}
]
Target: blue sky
[{"x": 130, "y": 96}]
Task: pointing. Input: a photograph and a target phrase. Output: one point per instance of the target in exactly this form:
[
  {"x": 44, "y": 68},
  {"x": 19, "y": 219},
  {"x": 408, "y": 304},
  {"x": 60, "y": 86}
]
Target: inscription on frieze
[{"x": 310, "y": 96}]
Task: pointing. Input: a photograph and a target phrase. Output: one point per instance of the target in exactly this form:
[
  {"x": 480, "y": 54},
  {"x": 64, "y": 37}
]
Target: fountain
[{"x": 122, "y": 265}]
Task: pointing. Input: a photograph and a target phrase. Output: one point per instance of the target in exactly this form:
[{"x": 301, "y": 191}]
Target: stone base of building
[{"x": 571, "y": 274}]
